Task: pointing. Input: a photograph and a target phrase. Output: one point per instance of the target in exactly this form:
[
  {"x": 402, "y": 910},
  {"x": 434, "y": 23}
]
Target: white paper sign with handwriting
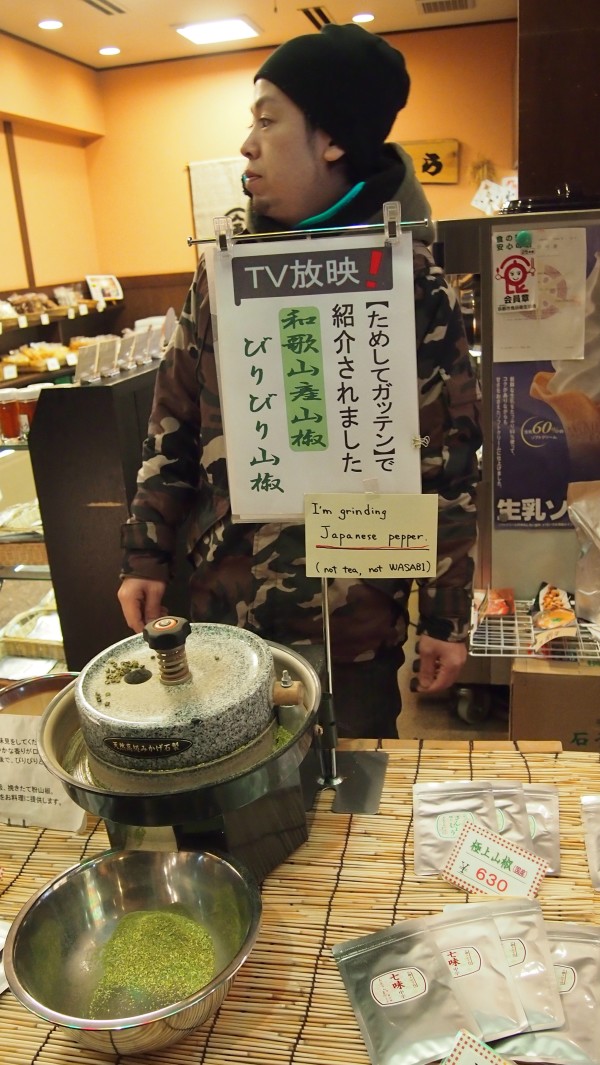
[{"x": 371, "y": 535}]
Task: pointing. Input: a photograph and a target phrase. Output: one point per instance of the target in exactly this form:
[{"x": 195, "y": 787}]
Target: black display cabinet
[{"x": 85, "y": 445}]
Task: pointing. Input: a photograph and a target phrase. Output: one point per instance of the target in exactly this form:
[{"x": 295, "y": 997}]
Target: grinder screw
[{"x": 166, "y": 636}]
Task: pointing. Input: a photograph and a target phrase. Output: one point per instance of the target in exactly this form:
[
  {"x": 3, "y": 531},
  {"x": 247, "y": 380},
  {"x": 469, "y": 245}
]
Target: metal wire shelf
[{"x": 513, "y": 637}]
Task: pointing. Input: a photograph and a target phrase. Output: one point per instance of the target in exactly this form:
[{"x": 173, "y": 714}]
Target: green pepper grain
[
  {"x": 115, "y": 671},
  {"x": 282, "y": 737},
  {"x": 153, "y": 959}
]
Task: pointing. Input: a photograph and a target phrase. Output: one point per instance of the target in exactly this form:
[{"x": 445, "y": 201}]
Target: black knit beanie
[{"x": 349, "y": 83}]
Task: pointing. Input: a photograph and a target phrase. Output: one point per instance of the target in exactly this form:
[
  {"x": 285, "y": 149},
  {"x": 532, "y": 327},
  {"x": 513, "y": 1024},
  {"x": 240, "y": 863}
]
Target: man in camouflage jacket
[{"x": 308, "y": 165}]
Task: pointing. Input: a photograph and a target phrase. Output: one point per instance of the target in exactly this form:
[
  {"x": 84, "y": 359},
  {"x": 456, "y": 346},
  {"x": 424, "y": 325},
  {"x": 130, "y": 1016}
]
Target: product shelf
[{"x": 512, "y": 636}]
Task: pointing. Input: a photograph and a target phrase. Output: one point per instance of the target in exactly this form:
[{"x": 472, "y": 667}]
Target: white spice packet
[
  {"x": 470, "y": 944},
  {"x": 522, "y": 930},
  {"x": 590, "y": 818},
  {"x": 4, "y": 927},
  {"x": 511, "y": 811},
  {"x": 541, "y": 801},
  {"x": 440, "y": 810},
  {"x": 402, "y": 994},
  {"x": 575, "y": 952}
]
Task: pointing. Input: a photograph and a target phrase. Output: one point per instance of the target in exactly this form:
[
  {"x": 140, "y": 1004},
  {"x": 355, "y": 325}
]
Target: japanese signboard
[
  {"x": 435, "y": 161},
  {"x": 538, "y": 279},
  {"x": 355, "y": 535},
  {"x": 315, "y": 340}
]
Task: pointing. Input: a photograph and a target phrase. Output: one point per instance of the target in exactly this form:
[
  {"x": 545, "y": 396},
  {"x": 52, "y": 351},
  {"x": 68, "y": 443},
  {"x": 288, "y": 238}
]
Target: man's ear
[{"x": 333, "y": 153}]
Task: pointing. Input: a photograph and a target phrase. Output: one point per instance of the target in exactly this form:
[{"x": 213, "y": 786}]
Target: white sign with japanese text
[
  {"x": 468, "y": 1050},
  {"x": 315, "y": 340},
  {"x": 538, "y": 284},
  {"x": 489, "y": 864},
  {"x": 352, "y": 535},
  {"x": 29, "y": 794}
]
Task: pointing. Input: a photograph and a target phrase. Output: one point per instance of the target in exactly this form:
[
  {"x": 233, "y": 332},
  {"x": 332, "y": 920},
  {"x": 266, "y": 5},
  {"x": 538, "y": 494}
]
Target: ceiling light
[
  {"x": 364, "y": 17},
  {"x": 50, "y": 24},
  {"x": 229, "y": 29},
  {"x": 110, "y": 50}
]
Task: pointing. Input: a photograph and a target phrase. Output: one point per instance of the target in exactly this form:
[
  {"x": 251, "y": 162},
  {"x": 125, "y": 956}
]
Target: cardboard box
[{"x": 552, "y": 700}]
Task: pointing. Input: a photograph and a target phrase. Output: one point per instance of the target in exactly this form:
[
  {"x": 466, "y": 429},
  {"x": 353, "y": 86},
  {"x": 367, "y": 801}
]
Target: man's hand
[
  {"x": 141, "y": 601},
  {"x": 440, "y": 664}
]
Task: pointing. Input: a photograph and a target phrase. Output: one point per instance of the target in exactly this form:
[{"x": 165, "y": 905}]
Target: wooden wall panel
[
  {"x": 13, "y": 272},
  {"x": 559, "y": 96}
]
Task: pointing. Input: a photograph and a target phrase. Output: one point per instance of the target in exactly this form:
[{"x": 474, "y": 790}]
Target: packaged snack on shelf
[
  {"x": 20, "y": 521},
  {"x": 497, "y": 602},
  {"x": 552, "y": 615}
]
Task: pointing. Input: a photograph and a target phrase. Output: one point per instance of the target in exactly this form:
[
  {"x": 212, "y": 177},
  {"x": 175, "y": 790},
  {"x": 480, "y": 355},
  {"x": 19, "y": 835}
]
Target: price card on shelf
[
  {"x": 87, "y": 362},
  {"x": 489, "y": 864},
  {"x": 52, "y": 364},
  {"x": 9, "y": 372},
  {"x": 22, "y": 321},
  {"x": 468, "y": 1050},
  {"x": 70, "y": 312},
  {"x": 71, "y": 358},
  {"x": 108, "y": 350},
  {"x": 44, "y": 318},
  {"x": 83, "y": 309}
]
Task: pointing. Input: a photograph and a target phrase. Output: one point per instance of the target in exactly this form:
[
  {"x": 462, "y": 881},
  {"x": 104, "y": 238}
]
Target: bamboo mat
[{"x": 355, "y": 875}]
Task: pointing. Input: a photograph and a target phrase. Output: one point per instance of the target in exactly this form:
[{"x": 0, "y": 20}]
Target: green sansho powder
[{"x": 153, "y": 959}]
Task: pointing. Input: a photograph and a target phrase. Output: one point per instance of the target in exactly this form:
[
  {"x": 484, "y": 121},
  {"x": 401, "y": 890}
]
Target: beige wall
[
  {"x": 51, "y": 108},
  {"x": 44, "y": 88},
  {"x": 120, "y": 141},
  {"x": 60, "y": 215},
  {"x": 160, "y": 118},
  {"x": 463, "y": 86}
]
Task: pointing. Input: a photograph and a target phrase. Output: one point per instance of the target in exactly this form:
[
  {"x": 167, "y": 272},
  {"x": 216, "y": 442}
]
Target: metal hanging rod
[{"x": 249, "y": 238}]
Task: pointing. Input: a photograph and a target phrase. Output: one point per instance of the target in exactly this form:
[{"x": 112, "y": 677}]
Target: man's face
[{"x": 289, "y": 174}]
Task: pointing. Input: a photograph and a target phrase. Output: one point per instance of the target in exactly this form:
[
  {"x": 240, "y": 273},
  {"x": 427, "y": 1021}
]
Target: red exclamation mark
[{"x": 376, "y": 257}]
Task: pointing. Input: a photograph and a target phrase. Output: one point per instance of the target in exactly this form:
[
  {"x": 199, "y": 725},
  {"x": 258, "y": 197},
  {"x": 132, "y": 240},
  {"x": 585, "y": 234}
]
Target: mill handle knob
[{"x": 167, "y": 633}]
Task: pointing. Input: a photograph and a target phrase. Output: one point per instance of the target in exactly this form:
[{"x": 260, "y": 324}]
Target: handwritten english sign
[{"x": 370, "y": 535}]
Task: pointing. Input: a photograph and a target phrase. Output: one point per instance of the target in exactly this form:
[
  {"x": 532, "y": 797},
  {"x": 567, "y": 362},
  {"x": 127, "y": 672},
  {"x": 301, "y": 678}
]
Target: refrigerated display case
[{"x": 525, "y": 536}]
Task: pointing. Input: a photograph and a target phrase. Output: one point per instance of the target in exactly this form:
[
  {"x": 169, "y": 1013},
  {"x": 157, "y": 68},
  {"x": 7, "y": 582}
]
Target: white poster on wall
[
  {"x": 539, "y": 292},
  {"x": 315, "y": 340},
  {"x": 216, "y": 188}
]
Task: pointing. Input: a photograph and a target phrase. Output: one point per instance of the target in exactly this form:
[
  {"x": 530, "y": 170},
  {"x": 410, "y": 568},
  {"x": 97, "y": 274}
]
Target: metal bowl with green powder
[{"x": 132, "y": 950}]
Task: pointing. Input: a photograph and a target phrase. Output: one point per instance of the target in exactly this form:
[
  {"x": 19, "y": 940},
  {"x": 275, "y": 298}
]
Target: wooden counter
[{"x": 355, "y": 875}]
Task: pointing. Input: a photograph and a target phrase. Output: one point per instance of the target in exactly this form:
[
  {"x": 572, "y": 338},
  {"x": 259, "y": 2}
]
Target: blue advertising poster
[
  {"x": 546, "y": 414},
  {"x": 530, "y": 452}
]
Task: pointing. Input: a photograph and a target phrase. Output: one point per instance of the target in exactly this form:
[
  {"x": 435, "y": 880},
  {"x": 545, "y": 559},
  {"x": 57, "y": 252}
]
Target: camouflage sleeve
[
  {"x": 169, "y": 478},
  {"x": 450, "y": 412}
]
